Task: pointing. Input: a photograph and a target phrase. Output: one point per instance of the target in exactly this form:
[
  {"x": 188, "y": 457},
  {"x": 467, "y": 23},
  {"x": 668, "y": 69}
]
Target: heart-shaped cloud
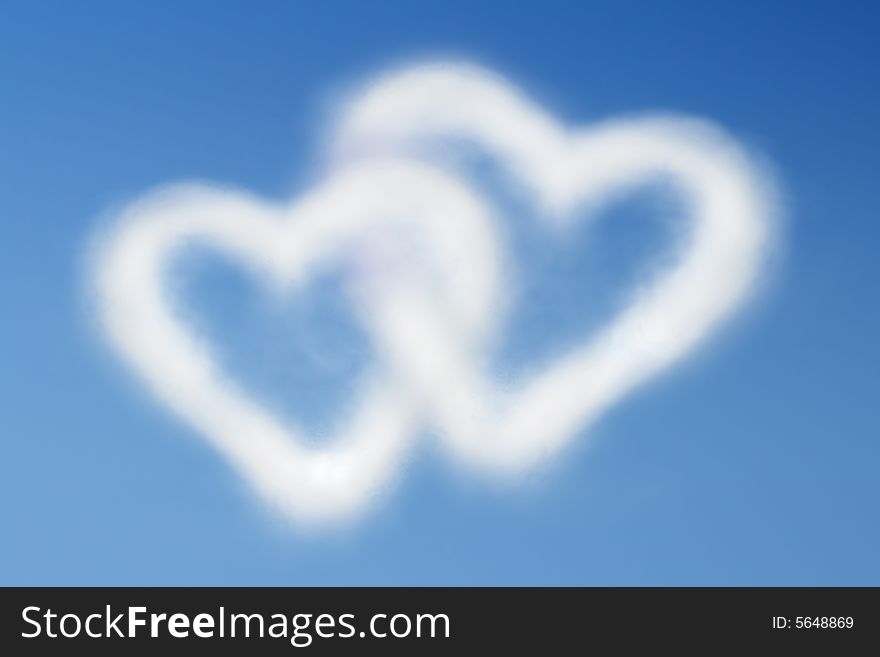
[
  {"x": 388, "y": 223},
  {"x": 570, "y": 173},
  {"x": 424, "y": 269}
]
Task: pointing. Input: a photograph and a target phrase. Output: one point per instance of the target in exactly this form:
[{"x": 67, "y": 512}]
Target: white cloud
[
  {"x": 427, "y": 277},
  {"x": 380, "y": 219},
  {"x": 570, "y": 172}
]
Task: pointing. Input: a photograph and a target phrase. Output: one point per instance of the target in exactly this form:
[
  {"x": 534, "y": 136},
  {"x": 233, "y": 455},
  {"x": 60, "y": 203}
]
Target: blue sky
[{"x": 754, "y": 463}]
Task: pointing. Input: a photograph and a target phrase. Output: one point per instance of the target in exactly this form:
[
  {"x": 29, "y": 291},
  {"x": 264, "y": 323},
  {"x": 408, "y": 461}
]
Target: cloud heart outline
[
  {"x": 348, "y": 214},
  {"x": 730, "y": 202}
]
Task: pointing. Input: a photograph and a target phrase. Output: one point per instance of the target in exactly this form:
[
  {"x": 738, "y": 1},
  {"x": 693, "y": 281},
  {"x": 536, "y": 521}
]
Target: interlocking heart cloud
[{"x": 423, "y": 258}]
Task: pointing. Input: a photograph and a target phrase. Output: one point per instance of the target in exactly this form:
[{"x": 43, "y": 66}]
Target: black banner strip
[{"x": 258, "y": 621}]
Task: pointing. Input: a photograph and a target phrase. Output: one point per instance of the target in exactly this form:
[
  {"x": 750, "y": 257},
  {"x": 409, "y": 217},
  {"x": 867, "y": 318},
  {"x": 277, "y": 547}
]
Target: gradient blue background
[{"x": 756, "y": 463}]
